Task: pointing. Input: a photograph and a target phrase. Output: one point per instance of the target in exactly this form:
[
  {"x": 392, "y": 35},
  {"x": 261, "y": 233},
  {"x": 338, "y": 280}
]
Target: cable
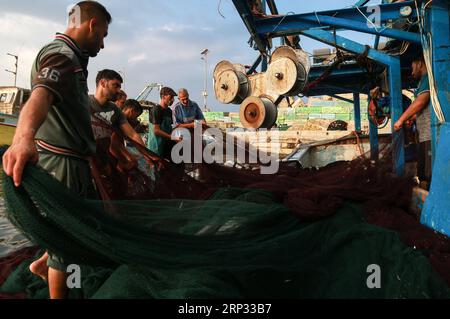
[
  {"x": 428, "y": 54},
  {"x": 218, "y": 9},
  {"x": 282, "y": 19},
  {"x": 368, "y": 20},
  {"x": 317, "y": 17},
  {"x": 427, "y": 4}
]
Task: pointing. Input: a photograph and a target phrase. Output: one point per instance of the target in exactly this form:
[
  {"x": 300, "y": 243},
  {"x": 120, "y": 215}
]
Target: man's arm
[
  {"x": 200, "y": 117},
  {"x": 159, "y": 132},
  {"x": 129, "y": 132},
  {"x": 187, "y": 125},
  {"x": 419, "y": 104},
  {"x": 23, "y": 148}
]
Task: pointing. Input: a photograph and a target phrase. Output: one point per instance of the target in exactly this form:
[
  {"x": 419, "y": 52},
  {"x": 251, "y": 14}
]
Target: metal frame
[
  {"x": 435, "y": 212},
  {"x": 320, "y": 26}
]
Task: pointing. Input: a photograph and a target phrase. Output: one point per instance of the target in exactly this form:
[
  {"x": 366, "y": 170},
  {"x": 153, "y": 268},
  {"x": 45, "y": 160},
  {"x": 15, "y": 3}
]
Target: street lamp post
[
  {"x": 205, "y": 92},
  {"x": 14, "y": 72}
]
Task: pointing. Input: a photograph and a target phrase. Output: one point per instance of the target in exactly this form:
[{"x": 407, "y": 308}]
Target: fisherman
[
  {"x": 110, "y": 127},
  {"x": 121, "y": 98},
  {"x": 420, "y": 108},
  {"x": 54, "y": 128},
  {"x": 160, "y": 129},
  {"x": 187, "y": 112},
  {"x": 106, "y": 112},
  {"x": 132, "y": 109}
]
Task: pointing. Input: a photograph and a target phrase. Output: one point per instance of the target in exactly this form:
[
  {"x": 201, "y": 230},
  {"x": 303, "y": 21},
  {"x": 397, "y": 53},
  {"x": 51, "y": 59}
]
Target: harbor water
[{"x": 10, "y": 238}]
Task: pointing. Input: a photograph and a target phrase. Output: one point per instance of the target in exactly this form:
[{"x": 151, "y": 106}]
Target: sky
[{"x": 149, "y": 41}]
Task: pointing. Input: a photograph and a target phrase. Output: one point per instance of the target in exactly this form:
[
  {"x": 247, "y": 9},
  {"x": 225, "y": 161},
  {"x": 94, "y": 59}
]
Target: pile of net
[{"x": 231, "y": 233}]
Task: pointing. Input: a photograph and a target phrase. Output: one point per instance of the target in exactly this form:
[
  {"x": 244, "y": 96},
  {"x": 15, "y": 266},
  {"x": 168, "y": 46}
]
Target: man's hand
[
  {"x": 398, "y": 125},
  {"x": 23, "y": 149},
  {"x": 17, "y": 156},
  {"x": 375, "y": 92},
  {"x": 409, "y": 123},
  {"x": 126, "y": 165},
  {"x": 152, "y": 161}
]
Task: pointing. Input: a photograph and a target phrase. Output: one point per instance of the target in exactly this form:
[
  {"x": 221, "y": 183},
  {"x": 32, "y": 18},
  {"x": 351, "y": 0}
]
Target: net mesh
[{"x": 230, "y": 233}]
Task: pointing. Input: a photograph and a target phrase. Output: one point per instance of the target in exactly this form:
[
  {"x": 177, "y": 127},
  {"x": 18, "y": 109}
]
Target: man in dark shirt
[
  {"x": 159, "y": 136},
  {"x": 54, "y": 128}
]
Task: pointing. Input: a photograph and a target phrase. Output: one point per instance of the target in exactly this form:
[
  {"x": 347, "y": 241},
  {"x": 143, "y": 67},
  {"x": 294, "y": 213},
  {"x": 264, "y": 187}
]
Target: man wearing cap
[{"x": 159, "y": 136}]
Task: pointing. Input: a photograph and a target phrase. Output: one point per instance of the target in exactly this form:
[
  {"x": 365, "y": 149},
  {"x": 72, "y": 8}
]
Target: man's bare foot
[{"x": 39, "y": 267}]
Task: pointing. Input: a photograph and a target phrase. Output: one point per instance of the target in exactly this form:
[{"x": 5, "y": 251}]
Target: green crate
[
  {"x": 364, "y": 117},
  {"x": 302, "y": 110},
  {"x": 335, "y": 110},
  {"x": 314, "y": 109},
  {"x": 343, "y": 117},
  {"x": 301, "y": 116},
  {"x": 345, "y": 104},
  {"x": 328, "y": 116},
  {"x": 315, "y": 116}
]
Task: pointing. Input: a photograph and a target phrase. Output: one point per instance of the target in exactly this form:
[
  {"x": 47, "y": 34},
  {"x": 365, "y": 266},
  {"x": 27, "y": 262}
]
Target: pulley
[
  {"x": 231, "y": 86},
  {"x": 258, "y": 112},
  {"x": 288, "y": 71}
]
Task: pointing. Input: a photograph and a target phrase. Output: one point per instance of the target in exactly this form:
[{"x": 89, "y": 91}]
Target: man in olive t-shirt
[{"x": 54, "y": 125}]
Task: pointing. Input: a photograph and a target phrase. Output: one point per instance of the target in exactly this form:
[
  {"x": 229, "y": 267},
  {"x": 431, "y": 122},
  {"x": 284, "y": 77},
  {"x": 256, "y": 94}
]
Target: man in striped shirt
[{"x": 54, "y": 128}]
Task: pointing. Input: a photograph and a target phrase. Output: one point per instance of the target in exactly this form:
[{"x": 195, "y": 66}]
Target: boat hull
[{"x": 8, "y": 125}]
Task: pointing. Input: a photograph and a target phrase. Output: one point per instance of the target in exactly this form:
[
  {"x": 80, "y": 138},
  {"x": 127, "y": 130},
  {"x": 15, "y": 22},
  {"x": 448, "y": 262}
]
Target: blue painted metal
[
  {"x": 348, "y": 45},
  {"x": 360, "y": 3},
  {"x": 377, "y": 42},
  {"x": 335, "y": 88},
  {"x": 434, "y": 123},
  {"x": 395, "y": 92},
  {"x": 272, "y": 6},
  {"x": 350, "y": 19},
  {"x": 387, "y": 12},
  {"x": 255, "y": 65},
  {"x": 393, "y": 64},
  {"x": 436, "y": 21},
  {"x": 316, "y": 25},
  {"x": 249, "y": 21},
  {"x": 294, "y": 23},
  {"x": 373, "y": 133},
  {"x": 357, "y": 112},
  {"x": 317, "y": 71},
  {"x": 264, "y": 6},
  {"x": 435, "y": 213},
  {"x": 264, "y": 64},
  {"x": 440, "y": 30}
]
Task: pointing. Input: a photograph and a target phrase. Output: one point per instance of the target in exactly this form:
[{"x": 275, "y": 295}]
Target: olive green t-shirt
[{"x": 61, "y": 67}]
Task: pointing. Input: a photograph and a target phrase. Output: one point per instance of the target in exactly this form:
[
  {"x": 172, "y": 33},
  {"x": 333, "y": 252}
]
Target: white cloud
[
  {"x": 23, "y": 35},
  {"x": 168, "y": 53},
  {"x": 137, "y": 58}
]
